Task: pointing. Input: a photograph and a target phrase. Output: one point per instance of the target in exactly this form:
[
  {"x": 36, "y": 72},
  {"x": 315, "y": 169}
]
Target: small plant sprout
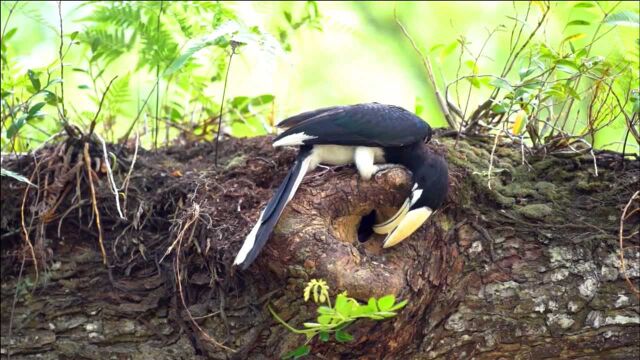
[{"x": 332, "y": 320}]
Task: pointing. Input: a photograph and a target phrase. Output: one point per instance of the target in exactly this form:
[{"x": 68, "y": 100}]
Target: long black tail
[{"x": 257, "y": 238}]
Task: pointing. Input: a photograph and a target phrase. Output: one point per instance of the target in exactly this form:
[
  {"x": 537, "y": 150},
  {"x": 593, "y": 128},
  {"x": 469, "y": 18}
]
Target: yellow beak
[
  {"x": 387, "y": 226},
  {"x": 407, "y": 225}
]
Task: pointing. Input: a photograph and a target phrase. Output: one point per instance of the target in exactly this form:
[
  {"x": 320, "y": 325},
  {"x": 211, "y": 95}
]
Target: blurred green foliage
[{"x": 578, "y": 73}]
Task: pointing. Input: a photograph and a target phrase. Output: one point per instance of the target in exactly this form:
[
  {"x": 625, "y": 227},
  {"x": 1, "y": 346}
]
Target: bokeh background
[{"x": 344, "y": 53}]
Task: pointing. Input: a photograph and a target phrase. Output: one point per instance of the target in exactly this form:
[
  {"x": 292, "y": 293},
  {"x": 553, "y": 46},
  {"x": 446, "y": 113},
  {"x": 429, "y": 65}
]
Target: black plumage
[{"x": 363, "y": 134}]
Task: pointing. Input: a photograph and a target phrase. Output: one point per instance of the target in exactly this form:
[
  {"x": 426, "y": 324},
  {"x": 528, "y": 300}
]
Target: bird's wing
[
  {"x": 307, "y": 115},
  {"x": 360, "y": 125}
]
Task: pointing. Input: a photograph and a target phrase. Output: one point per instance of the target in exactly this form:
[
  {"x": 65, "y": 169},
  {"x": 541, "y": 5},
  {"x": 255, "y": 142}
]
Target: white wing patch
[
  {"x": 293, "y": 140},
  {"x": 249, "y": 241}
]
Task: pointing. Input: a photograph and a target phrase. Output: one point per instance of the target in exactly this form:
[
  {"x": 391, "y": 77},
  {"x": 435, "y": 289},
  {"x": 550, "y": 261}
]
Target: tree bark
[{"x": 525, "y": 265}]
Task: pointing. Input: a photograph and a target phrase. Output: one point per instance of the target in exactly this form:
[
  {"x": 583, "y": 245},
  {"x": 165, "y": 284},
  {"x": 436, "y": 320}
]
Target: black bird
[{"x": 364, "y": 134}]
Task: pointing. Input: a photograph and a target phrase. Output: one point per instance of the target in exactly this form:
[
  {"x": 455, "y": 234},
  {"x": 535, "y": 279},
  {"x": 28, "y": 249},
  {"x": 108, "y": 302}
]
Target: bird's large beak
[
  {"x": 407, "y": 225},
  {"x": 391, "y": 223}
]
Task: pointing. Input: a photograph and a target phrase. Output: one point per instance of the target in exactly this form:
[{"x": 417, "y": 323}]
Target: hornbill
[{"x": 367, "y": 135}]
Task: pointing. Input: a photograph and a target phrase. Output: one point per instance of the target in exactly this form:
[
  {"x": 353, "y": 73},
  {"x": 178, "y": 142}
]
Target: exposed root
[
  {"x": 94, "y": 201},
  {"x": 195, "y": 214},
  {"x": 25, "y": 233},
  {"x": 112, "y": 182}
]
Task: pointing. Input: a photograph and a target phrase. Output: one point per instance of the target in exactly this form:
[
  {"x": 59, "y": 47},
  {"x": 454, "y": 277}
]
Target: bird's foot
[{"x": 383, "y": 167}]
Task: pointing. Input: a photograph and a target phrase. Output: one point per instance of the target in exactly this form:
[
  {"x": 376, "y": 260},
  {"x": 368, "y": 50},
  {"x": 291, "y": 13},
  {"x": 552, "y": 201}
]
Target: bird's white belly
[{"x": 339, "y": 155}]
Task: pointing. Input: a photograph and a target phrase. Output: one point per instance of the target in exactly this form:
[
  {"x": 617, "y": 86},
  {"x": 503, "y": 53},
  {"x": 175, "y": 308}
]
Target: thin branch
[
  {"x": 64, "y": 111},
  {"x": 95, "y": 117},
  {"x": 427, "y": 66},
  {"x": 224, "y": 92},
  {"x": 155, "y": 138},
  {"x": 6, "y": 22}
]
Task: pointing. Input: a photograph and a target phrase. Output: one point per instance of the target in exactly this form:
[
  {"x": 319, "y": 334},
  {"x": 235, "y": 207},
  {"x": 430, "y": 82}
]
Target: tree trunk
[{"x": 525, "y": 265}]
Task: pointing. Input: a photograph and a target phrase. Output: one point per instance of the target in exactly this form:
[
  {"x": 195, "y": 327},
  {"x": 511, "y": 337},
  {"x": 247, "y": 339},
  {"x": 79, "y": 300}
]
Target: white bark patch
[
  {"x": 588, "y": 288},
  {"x": 476, "y": 248},
  {"x": 608, "y": 273},
  {"x": 455, "y": 323},
  {"x": 499, "y": 290},
  {"x": 556, "y": 275},
  {"x": 621, "y": 320},
  {"x": 574, "y": 306},
  {"x": 622, "y": 301},
  {"x": 563, "y": 321},
  {"x": 595, "y": 319}
]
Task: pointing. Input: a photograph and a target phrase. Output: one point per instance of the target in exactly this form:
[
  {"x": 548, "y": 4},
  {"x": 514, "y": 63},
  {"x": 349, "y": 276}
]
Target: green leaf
[
  {"x": 578, "y": 23},
  {"x": 51, "y": 98},
  {"x": 324, "y": 336},
  {"x": 623, "y": 18},
  {"x": 16, "y": 126},
  {"x": 386, "y": 314},
  {"x": 572, "y": 92},
  {"x": 34, "y": 109},
  {"x": 373, "y": 304},
  {"x": 74, "y": 35},
  {"x": 35, "y": 79},
  {"x": 217, "y": 37},
  {"x": 83, "y": 87},
  {"x": 501, "y": 83},
  {"x": 325, "y": 310},
  {"x": 9, "y": 35},
  {"x": 343, "y": 336},
  {"x": 474, "y": 81},
  {"x": 297, "y": 353},
  {"x": 583, "y": 5},
  {"x": 262, "y": 99},
  {"x": 386, "y": 302},
  {"x": 342, "y": 305},
  {"x": 6, "y": 93},
  {"x": 498, "y": 108},
  {"x": 567, "y": 66},
  {"x": 15, "y": 176},
  {"x": 399, "y": 305},
  {"x": 324, "y": 319},
  {"x": 573, "y": 37},
  {"x": 524, "y": 72}
]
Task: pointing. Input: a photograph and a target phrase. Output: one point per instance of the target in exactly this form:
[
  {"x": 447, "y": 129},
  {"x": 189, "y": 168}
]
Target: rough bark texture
[{"x": 527, "y": 268}]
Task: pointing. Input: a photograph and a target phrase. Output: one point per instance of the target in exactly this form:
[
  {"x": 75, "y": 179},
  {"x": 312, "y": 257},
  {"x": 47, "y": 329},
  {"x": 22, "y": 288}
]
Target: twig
[
  {"x": 622, "y": 263},
  {"x": 6, "y": 22},
  {"x": 64, "y": 111},
  {"x": 112, "y": 182},
  {"x": 94, "y": 201},
  {"x": 155, "y": 138},
  {"x": 140, "y": 111},
  {"x": 95, "y": 117},
  {"x": 224, "y": 92},
  {"x": 24, "y": 227},
  {"x": 125, "y": 183},
  {"x": 427, "y": 66},
  {"x": 493, "y": 150}
]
